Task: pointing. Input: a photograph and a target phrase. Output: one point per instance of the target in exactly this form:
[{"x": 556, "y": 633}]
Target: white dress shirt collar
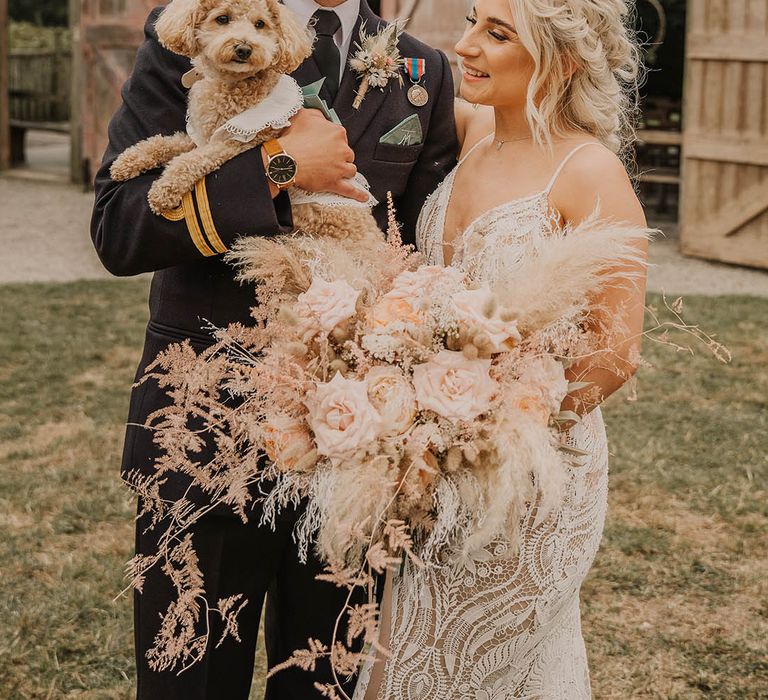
[{"x": 348, "y": 13}]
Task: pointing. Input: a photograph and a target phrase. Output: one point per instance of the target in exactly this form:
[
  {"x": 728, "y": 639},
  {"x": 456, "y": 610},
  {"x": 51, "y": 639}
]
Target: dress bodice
[{"x": 514, "y": 227}]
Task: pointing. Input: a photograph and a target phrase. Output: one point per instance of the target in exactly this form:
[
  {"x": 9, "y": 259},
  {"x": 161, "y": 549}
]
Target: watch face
[{"x": 282, "y": 169}]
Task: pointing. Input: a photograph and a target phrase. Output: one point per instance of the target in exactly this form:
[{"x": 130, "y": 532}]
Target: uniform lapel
[
  {"x": 307, "y": 73},
  {"x": 357, "y": 120}
]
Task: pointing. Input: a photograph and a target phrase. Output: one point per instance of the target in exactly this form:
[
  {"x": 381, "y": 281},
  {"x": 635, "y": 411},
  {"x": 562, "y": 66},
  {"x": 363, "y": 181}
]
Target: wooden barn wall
[
  {"x": 724, "y": 213},
  {"x": 109, "y": 33}
]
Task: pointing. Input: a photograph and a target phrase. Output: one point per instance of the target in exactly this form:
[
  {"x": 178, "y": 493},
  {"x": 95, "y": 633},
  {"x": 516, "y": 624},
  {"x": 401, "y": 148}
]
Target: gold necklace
[{"x": 499, "y": 143}]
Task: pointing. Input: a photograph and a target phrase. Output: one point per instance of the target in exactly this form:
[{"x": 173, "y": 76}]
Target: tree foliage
[{"x": 52, "y": 13}]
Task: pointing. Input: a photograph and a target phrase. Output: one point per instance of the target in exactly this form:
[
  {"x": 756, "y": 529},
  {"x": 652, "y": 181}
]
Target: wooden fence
[{"x": 39, "y": 87}]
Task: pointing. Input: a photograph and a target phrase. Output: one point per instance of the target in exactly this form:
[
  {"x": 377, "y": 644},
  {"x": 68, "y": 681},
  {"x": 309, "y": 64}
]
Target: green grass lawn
[{"x": 675, "y": 607}]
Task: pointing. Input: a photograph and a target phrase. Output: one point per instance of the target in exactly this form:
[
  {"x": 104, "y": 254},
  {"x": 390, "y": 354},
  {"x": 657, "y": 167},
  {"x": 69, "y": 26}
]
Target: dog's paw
[
  {"x": 124, "y": 168},
  {"x": 163, "y": 197}
]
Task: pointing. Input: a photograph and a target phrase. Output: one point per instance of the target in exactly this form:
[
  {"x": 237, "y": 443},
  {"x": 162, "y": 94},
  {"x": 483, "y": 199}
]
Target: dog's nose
[{"x": 243, "y": 51}]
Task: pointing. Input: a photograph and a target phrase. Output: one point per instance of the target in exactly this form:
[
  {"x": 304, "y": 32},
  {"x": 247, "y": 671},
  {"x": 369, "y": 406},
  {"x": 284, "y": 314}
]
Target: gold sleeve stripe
[
  {"x": 194, "y": 227},
  {"x": 206, "y": 216},
  {"x": 176, "y": 214},
  {"x": 187, "y": 213}
]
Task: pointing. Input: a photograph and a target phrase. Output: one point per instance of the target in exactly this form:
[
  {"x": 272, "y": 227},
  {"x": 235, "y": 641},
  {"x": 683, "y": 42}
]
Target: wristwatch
[{"x": 281, "y": 167}]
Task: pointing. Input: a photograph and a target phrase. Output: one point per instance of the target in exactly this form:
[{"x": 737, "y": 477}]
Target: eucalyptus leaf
[
  {"x": 575, "y": 451},
  {"x": 567, "y": 416}
]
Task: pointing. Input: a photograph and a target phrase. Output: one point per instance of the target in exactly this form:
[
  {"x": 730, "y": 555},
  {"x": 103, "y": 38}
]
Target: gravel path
[
  {"x": 45, "y": 238},
  {"x": 44, "y": 233}
]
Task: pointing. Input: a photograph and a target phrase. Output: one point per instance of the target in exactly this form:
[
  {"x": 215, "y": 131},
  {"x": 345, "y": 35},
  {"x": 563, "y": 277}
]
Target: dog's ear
[
  {"x": 177, "y": 24},
  {"x": 295, "y": 42}
]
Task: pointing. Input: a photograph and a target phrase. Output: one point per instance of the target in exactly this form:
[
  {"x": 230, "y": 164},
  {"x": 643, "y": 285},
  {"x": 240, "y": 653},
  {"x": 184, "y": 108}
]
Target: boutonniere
[{"x": 377, "y": 59}]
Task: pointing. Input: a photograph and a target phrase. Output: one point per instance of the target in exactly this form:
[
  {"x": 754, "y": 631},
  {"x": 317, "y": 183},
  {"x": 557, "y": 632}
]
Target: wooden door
[
  {"x": 110, "y": 31},
  {"x": 724, "y": 207}
]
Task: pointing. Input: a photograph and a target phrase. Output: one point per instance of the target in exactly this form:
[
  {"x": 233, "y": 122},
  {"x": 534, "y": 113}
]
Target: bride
[{"x": 548, "y": 88}]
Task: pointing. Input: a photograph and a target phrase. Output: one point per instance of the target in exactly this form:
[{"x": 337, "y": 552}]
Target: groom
[{"x": 403, "y": 141}]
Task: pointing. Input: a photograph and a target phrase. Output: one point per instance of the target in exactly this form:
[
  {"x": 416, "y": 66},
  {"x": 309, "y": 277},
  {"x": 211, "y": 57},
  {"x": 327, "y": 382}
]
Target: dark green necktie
[{"x": 326, "y": 23}]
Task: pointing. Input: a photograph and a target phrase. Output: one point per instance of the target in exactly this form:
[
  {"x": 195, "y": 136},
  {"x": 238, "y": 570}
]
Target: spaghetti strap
[
  {"x": 473, "y": 149},
  {"x": 565, "y": 160}
]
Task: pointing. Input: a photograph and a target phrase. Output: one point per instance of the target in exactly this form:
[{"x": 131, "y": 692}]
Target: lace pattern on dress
[{"x": 498, "y": 626}]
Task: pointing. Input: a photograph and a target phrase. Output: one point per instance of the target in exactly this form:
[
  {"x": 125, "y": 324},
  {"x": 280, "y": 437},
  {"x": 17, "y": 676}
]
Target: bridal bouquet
[
  {"x": 389, "y": 391},
  {"x": 416, "y": 409},
  {"x": 395, "y": 393}
]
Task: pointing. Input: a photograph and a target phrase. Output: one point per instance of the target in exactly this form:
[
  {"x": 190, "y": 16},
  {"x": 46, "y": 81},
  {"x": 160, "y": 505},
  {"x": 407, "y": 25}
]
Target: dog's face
[{"x": 235, "y": 38}]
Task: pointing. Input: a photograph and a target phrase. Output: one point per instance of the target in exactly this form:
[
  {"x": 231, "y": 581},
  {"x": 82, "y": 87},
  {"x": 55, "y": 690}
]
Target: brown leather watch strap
[{"x": 273, "y": 148}]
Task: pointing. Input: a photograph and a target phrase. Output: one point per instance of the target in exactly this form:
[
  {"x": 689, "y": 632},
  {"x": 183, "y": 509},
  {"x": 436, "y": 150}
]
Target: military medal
[{"x": 417, "y": 93}]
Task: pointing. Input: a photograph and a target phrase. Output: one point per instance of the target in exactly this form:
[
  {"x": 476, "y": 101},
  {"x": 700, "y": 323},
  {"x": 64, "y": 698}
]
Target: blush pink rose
[
  {"x": 540, "y": 390},
  {"x": 325, "y": 305},
  {"x": 547, "y": 375},
  {"x": 469, "y": 307},
  {"x": 392, "y": 396},
  {"x": 391, "y": 308},
  {"x": 287, "y": 440},
  {"x": 404, "y": 301},
  {"x": 453, "y": 386},
  {"x": 342, "y": 418},
  {"x": 425, "y": 278}
]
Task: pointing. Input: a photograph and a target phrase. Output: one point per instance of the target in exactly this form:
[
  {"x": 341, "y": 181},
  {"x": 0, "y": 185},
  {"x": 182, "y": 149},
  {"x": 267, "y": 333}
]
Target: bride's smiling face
[{"x": 496, "y": 67}]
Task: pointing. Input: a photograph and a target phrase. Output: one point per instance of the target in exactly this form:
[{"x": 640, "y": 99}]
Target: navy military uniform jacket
[{"x": 192, "y": 284}]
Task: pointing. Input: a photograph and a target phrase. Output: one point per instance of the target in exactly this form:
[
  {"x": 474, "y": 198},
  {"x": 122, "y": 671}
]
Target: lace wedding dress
[{"x": 498, "y": 625}]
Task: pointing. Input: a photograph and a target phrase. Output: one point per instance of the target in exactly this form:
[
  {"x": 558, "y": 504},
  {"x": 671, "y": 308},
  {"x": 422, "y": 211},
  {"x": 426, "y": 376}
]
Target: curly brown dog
[{"x": 239, "y": 49}]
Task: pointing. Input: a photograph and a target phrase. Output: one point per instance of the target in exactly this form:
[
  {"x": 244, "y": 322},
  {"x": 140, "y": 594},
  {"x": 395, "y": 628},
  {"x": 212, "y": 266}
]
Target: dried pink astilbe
[
  {"x": 179, "y": 641},
  {"x": 305, "y": 659},
  {"x": 229, "y": 609},
  {"x": 363, "y": 621}
]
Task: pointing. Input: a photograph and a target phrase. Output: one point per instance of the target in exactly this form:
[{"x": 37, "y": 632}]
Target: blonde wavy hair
[{"x": 601, "y": 95}]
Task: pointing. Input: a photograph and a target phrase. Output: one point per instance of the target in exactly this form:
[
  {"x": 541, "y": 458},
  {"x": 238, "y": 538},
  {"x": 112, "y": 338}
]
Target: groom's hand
[{"x": 325, "y": 160}]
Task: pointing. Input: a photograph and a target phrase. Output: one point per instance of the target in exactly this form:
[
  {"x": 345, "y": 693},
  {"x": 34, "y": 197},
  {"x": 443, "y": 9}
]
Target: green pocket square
[
  {"x": 407, "y": 133},
  {"x": 312, "y": 100}
]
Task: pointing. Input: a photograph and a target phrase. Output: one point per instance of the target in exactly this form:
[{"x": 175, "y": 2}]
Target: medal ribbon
[{"x": 416, "y": 68}]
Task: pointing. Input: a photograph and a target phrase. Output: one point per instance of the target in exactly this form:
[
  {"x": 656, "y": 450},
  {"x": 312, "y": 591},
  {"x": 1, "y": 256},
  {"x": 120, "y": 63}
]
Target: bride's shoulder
[
  {"x": 473, "y": 122},
  {"x": 594, "y": 176},
  {"x": 588, "y": 160}
]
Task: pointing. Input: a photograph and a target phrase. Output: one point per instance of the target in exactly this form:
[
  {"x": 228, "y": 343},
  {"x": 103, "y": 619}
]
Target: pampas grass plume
[{"x": 568, "y": 268}]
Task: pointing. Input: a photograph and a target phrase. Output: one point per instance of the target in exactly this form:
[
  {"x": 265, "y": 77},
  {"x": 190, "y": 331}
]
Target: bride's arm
[{"x": 599, "y": 178}]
